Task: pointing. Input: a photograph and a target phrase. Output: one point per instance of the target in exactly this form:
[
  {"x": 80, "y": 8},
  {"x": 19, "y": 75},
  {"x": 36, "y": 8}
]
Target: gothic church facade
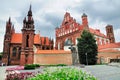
[{"x": 19, "y": 48}]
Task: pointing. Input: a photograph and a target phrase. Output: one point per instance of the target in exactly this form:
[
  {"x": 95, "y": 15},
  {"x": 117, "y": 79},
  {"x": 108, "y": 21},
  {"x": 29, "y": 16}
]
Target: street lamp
[{"x": 86, "y": 59}]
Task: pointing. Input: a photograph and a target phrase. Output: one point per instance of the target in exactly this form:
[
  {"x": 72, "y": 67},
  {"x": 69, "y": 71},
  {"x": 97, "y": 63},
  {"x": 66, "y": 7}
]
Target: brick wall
[
  {"x": 46, "y": 59},
  {"x": 104, "y": 57}
]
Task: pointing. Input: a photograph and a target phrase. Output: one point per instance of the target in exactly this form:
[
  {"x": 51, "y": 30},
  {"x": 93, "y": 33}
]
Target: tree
[
  {"x": 1, "y": 53},
  {"x": 87, "y": 48}
]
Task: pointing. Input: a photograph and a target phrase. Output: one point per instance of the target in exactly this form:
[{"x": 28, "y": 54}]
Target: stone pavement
[
  {"x": 2, "y": 71},
  {"x": 102, "y": 72}
]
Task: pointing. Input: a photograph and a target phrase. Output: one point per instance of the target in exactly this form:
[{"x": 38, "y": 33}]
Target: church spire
[
  {"x": 30, "y": 8},
  {"x": 9, "y": 21},
  {"x": 30, "y": 11}
]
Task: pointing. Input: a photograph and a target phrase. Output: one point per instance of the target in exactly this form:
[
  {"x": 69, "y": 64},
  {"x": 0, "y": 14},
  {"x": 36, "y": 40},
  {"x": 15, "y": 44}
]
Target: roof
[
  {"x": 109, "y": 50},
  {"x": 97, "y": 32},
  {"x": 52, "y": 52},
  {"x": 16, "y": 38},
  {"x": 111, "y": 45}
]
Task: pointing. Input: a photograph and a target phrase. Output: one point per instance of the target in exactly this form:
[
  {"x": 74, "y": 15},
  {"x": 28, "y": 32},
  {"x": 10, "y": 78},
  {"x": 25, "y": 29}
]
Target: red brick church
[
  {"x": 70, "y": 30},
  {"x": 19, "y": 48}
]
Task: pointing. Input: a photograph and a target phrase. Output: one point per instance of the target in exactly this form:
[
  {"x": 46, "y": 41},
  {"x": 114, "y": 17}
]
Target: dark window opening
[
  {"x": 19, "y": 53},
  {"x": 14, "y": 51},
  {"x": 47, "y": 48},
  {"x": 27, "y": 41},
  {"x": 66, "y": 22},
  {"x": 43, "y": 48}
]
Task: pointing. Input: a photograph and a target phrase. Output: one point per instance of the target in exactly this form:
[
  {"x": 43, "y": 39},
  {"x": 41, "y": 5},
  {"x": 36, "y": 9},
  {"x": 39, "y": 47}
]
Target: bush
[
  {"x": 37, "y": 65},
  {"x": 55, "y": 65},
  {"x": 19, "y": 76},
  {"x": 31, "y": 66},
  {"x": 61, "y": 65},
  {"x": 55, "y": 73}
]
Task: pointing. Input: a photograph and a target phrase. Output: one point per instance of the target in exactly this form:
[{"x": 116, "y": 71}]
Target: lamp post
[{"x": 86, "y": 59}]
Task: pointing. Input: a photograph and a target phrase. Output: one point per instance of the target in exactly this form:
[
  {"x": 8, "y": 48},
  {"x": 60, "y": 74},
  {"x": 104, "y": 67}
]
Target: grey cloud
[{"x": 103, "y": 10}]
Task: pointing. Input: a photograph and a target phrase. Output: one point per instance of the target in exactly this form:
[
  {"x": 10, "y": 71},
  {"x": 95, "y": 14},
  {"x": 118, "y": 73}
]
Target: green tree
[
  {"x": 87, "y": 48},
  {"x": 1, "y": 55}
]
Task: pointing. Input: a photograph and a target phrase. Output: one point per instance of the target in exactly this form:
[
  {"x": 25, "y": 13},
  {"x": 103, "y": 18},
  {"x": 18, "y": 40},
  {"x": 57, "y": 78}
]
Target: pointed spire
[
  {"x": 9, "y": 21},
  {"x": 13, "y": 29},
  {"x": 30, "y": 11},
  {"x": 30, "y": 8},
  {"x": 24, "y": 21}
]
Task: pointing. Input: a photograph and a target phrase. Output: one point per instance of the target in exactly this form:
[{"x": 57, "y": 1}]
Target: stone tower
[
  {"x": 27, "y": 54},
  {"x": 7, "y": 39},
  {"x": 85, "y": 21},
  {"x": 110, "y": 33}
]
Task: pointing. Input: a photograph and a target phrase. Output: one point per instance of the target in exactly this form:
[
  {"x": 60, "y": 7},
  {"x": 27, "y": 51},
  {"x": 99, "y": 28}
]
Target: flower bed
[
  {"x": 62, "y": 73},
  {"x": 14, "y": 75},
  {"x": 16, "y": 68}
]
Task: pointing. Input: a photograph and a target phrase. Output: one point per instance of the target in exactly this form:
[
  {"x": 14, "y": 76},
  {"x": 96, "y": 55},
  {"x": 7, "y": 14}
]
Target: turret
[
  {"x": 8, "y": 26},
  {"x": 13, "y": 30},
  {"x": 85, "y": 21},
  {"x": 110, "y": 33},
  {"x": 27, "y": 39},
  {"x": 30, "y": 14},
  {"x": 7, "y": 39}
]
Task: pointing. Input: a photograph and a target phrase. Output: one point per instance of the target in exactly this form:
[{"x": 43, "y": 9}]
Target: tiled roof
[
  {"x": 52, "y": 52},
  {"x": 16, "y": 38},
  {"x": 111, "y": 45},
  {"x": 97, "y": 32}
]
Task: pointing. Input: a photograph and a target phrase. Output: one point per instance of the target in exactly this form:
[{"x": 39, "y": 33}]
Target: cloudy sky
[{"x": 48, "y": 14}]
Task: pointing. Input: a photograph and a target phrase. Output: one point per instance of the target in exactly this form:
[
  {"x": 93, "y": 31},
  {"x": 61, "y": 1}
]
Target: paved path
[
  {"x": 102, "y": 72},
  {"x": 2, "y": 71}
]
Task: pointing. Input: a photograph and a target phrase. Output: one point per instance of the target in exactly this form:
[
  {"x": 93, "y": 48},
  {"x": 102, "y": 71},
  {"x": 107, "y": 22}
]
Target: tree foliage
[
  {"x": 87, "y": 47},
  {"x": 1, "y": 55}
]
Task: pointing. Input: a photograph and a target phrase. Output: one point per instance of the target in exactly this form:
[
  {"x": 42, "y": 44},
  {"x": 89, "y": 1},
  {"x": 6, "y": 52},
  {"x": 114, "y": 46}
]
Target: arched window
[
  {"x": 27, "y": 41},
  {"x": 19, "y": 52},
  {"x": 14, "y": 51},
  {"x": 68, "y": 42}
]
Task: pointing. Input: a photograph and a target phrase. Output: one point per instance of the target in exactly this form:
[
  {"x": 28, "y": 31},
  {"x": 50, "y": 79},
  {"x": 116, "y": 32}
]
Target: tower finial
[
  {"x": 9, "y": 20},
  {"x": 30, "y": 11},
  {"x": 30, "y": 8}
]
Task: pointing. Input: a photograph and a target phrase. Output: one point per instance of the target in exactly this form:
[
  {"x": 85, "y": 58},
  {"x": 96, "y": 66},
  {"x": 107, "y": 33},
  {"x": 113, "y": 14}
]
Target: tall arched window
[
  {"x": 14, "y": 51},
  {"x": 19, "y": 52},
  {"x": 27, "y": 41}
]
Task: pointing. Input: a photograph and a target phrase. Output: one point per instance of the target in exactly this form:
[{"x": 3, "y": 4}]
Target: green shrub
[
  {"x": 55, "y": 73},
  {"x": 37, "y": 65},
  {"x": 61, "y": 65},
  {"x": 54, "y": 65},
  {"x": 31, "y": 66}
]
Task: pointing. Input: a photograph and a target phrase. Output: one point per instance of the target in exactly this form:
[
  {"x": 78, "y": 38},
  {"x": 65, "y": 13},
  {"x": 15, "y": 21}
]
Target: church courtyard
[{"x": 101, "y": 72}]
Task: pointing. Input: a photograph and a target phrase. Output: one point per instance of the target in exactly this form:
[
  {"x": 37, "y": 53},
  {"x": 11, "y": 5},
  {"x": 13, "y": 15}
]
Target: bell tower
[
  {"x": 110, "y": 33},
  {"x": 85, "y": 21},
  {"x": 7, "y": 39},
  {"x": 27, "y": 54}
]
